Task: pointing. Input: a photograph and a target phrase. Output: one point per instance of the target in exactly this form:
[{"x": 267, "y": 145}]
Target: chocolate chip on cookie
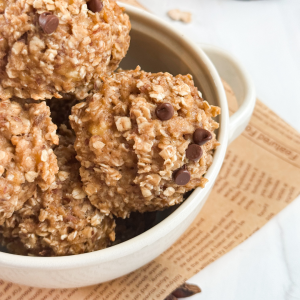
[
  {"x": 48, "y": 22},
  {"x": 182, "y": 176},
  {"x": 164, "y": 111},
  {"x": 201, "y": 136},
  {"x": 95, "y": 5},
  {"x": 127, "y": 142},
  {"x": 194, "y": 152}
]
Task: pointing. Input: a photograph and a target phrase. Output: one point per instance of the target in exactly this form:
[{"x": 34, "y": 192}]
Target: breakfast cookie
[
  {"x": 48, "y": 48},
  {"x": 143, "y": 140},
  {"x": 61, "y": 220},
  {"x": 27, "y": 136}
]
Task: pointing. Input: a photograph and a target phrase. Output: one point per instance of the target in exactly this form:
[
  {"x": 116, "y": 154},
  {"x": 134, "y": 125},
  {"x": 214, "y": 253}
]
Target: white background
[{"x": 265, "y": 36}]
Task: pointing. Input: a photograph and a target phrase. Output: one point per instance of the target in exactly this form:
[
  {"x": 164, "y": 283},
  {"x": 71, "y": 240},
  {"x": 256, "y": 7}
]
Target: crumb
[{"x": 178, "y": 15}]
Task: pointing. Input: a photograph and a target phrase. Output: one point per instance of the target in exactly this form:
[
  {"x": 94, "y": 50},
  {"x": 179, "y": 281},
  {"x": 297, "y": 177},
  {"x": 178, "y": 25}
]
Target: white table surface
[{"x": 265, "y": 36}]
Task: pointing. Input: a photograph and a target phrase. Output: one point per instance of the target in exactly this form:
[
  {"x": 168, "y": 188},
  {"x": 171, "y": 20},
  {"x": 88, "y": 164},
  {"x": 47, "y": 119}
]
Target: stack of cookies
[{"x": 81, "y": 145}]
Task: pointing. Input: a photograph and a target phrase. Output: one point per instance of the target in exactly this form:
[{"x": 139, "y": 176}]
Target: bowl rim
[{"x": 160, "y": 230}]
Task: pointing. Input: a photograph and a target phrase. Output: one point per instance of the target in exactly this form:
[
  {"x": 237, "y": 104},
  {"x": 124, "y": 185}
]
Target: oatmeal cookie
[
  {"x": 27, "y": 136},
  {"x": 48, "y": 48},
  {"x": 61, "y": 220},
  {"x": 143, "y": 141}
]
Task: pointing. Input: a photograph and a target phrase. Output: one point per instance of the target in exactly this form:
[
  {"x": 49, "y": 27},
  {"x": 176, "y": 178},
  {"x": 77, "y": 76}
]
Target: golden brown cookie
[
  {"x": 48, "y": 48},
  {"x": 61, "y": 220},
  {"x": 143, "y": 141},
  {"x": 27, "y": 136}
]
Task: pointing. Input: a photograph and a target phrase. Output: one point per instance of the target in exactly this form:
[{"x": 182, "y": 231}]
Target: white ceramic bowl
[{"x": 156, "y": 47}]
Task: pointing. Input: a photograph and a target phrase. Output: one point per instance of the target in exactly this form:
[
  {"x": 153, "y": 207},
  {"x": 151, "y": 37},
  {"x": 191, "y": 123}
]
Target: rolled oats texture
[
  {"x": 61, "y": 220},
  {"x": 127, "y": 155},
  {"x": 27, "y": 160},
  {"x": 72, "y": 59}
]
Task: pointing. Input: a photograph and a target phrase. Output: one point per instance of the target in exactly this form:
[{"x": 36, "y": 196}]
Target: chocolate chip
[
  {"x": 201, "y": 136},
  {"x": 194, "y": 152},
  {"x": 186, "y": 290},
  {"x": 171, "y": 297},
  {"x": 95, "y": 5},
  {"x": 24, "y": 38},
  {"x": 48, "y": 22},
  {"x": 182, "y": 176},
  {"x": 164, "y": 111}
]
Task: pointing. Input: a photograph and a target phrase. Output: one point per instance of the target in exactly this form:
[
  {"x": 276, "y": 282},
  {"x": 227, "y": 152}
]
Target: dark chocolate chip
[
  {"x": 182, "y": 176},
  {"x": 171, "y": 297},
  {"x": 164, "y": 111},
  {"x": 48, "y": 22},
  {"x": 95, "y": 5},
  {"x": 201, "y": 136},
  {"x": 194, "y": 152},
  {"x": 24, "y": 38},
  {"x": 186, "y": 290}
]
